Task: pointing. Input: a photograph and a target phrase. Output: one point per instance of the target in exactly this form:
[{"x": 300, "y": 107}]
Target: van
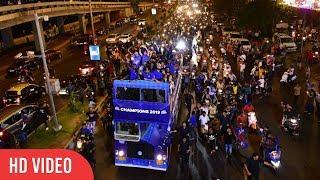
[
  {"x": 23, "y": 92},
  {"x": 285, "y": 42}
]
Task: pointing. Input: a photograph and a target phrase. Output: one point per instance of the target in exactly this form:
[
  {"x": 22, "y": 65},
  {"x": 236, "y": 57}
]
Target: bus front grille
[{"x": 140, "y": 150}]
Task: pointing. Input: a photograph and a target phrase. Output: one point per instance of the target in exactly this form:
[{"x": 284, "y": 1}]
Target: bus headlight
[
  {"x": 121, "y": 153},
  {"x": 160, "y": 159}
]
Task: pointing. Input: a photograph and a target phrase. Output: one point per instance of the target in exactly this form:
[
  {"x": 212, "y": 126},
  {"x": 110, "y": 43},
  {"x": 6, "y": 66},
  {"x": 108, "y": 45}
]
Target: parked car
[
  {"x": 126, "y": 20},
  {"x": 125, "y": 38},
  {"x": 228, "y": 30},
  {"x": 52, "y": 55},
  {"x": 77, "y": 81},
  {"x": 285, "y": 42},
  {"x": 16, "y": 67},
  {"x": 23, "y": 92},
  {"x": 11, "y": 123},
  {"x": 80, "y": 40},
  {"x": 112, "y": 38},
  {"x": 87, "y": 69},
  {"x": 234, "y": 36},
  {"x": 245, "y": 43},
  {"x": 133, "y": 19},
  {"x": 142, "y": 22},
  {"x": 119, "y": 23}
]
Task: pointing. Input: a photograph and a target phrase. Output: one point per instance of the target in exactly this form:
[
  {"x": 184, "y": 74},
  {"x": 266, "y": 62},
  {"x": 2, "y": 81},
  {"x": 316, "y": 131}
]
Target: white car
[
  {"x": 234, "y": 36},
  {"x": 112, "y": 38},
  {"x": 284, "y": 41},
  {"x": 226, "y": 31},
  {"x": 124, "y": 38},
  {"x": 245, "y": 43},
  {"x": 142, "y": 22}
]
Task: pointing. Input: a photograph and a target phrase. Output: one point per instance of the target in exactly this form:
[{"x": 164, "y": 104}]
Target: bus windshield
[
  {"x": 136, "y": 94},
  {"x": 126, "y": 128}
]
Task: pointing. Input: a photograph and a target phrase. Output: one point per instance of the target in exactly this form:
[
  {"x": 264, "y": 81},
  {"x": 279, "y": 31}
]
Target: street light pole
[
  {"x": 91, "y": 17},
  {"x": 57, "y": 126},
  {"x": 303, "y": 32}
]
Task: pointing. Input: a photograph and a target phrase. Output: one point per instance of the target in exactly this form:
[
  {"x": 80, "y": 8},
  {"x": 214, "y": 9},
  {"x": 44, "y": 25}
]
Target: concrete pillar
[
  {"x": 7, "y": 37},
  {"x": 36, "y": 38},
  {"x": 60, "y": 24},
  {"x": 82, "y": 24},
  {"x": 107, "y": 19},
  {"x": 128, "y": 12}
]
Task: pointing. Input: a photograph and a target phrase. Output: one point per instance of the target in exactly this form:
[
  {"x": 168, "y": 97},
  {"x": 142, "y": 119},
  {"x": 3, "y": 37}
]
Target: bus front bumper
[{"x": 142, "y": 163}]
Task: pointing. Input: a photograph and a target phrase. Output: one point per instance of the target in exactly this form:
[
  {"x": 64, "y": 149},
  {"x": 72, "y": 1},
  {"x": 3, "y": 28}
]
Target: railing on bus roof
[{"x": 174, "y": 100}]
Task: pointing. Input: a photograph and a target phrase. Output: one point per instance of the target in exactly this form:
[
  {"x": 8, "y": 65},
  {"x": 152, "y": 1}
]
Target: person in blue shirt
[
  {"x": 171, "y": 67},
  {"x": 157, "y": 74},
  {"x": 136, "y": 59},
  {"x": 193, "y": 120},
  {"x": 147, "y": 75},
  {"x": 145, "y": 58},
  {"x": 133, "y": 74}
]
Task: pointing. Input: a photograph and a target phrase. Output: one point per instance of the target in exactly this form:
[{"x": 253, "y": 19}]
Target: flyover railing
[{"x": 17, "y": 14}]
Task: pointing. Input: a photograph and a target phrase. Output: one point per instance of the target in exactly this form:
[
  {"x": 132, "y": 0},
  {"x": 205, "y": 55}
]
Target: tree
[
  {"x": 135, "y": 5},
  {"x": 230, "y": 7},
  {"x": 259, "y": 15}
]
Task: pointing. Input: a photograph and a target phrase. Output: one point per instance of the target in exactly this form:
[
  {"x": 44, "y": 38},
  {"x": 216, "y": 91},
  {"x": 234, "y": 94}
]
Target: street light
[
  {"x": 181, "y": 45},
  {"x": 92, "y": 23},
  {"x": 57, "y": 126}
]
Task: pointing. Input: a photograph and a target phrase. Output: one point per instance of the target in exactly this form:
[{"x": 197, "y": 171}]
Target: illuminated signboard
[{"x": 94, "y": 52}]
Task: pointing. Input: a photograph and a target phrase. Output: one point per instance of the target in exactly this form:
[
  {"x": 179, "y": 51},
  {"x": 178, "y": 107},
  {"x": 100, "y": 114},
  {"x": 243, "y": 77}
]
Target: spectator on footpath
[{"x": 296, "y": 93}]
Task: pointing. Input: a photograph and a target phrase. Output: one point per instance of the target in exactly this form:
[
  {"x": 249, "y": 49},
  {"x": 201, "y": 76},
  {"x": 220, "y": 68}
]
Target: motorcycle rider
[
  {"x": 92, "y": 116},
  {"x": 287, "y": 112},
  {"x": 267, "y": 143}
]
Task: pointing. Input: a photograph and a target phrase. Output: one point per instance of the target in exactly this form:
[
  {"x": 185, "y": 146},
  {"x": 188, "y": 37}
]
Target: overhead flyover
[
  {"x": 17, "y": 14},
  {"x": 13, "y": 15}
]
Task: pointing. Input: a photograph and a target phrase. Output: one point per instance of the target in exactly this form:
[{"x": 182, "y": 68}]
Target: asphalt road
[{"x": 299, "y": 157}]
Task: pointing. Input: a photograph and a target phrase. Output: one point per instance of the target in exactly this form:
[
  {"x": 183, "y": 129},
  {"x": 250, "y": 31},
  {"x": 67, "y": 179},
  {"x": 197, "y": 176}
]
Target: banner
[
  {"x": 145, "y": 112},
  {"x": 48, "y": 164}
]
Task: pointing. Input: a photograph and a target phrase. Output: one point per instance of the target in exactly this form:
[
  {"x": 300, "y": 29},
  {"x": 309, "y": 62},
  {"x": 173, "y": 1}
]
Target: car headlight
[
  {"x": 1, "y": 134},
  {"x": 316, "y": 53},
  {"x": 18, "y": 100}
]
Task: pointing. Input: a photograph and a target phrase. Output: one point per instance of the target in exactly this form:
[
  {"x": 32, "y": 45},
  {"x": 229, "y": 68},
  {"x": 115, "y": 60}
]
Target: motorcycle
[
  {"x": 22, "y": 79},
  {"x": 252, "y": 120},
  {"x": 241, "y": 136},
  {"x": 274, "y": 156},
  {"x": 292, "y": 125}
]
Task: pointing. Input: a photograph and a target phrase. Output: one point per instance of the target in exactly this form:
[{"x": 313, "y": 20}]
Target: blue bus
[{"x": 144, "y": 114}]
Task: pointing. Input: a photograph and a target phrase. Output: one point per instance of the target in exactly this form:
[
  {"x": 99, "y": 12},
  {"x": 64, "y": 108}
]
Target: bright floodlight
[{"x": 181, "y": 45}]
